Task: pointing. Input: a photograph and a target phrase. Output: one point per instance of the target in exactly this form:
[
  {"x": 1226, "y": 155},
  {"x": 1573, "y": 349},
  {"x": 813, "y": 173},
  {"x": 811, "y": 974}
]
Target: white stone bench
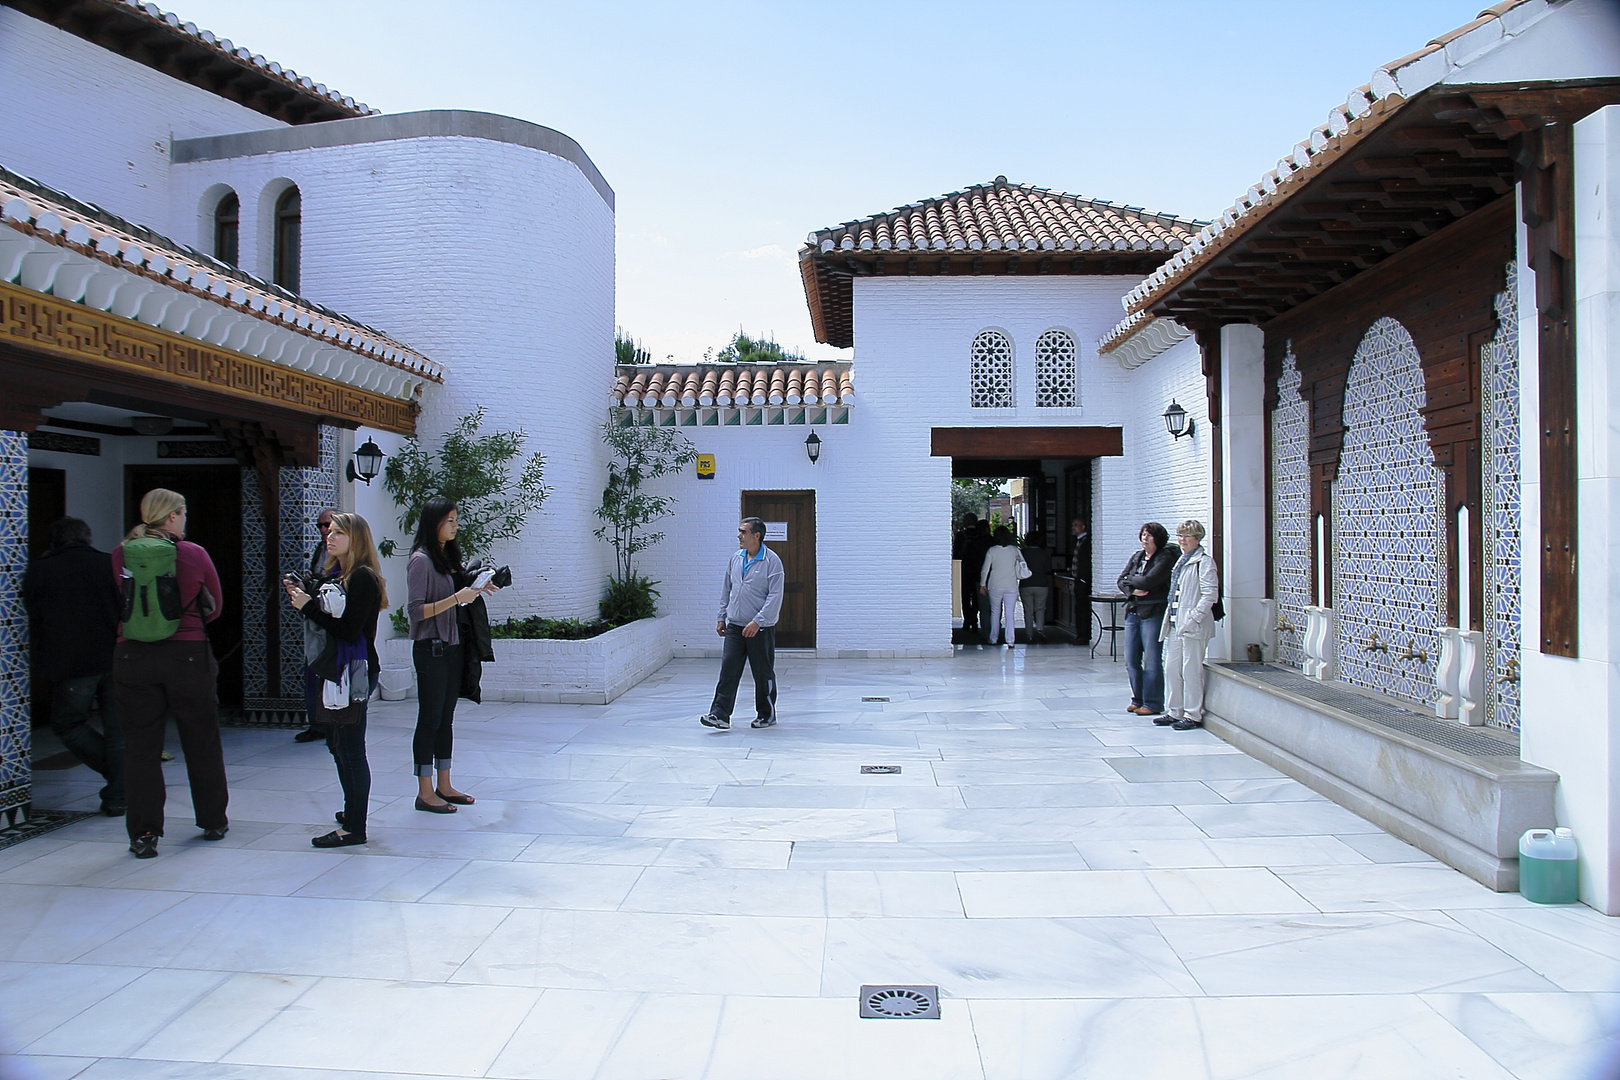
[{"x": 1461, "y": 794}]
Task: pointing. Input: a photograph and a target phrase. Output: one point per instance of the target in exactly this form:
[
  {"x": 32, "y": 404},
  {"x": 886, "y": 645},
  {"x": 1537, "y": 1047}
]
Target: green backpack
[{"x": 151, "y": 589}]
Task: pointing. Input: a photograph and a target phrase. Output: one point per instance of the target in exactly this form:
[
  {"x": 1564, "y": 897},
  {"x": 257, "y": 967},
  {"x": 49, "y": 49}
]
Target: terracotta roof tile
[
  {"x": 1001, "y": 216},
  {"x": 731, "y": 385}
]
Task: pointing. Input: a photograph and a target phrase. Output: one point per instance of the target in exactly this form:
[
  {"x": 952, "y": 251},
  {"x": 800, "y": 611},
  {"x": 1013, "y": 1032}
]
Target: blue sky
[{"x": 730, "y": 130}]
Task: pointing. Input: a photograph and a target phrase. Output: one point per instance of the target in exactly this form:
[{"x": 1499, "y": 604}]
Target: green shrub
[
  {"x": 629, "y": 599},
  {"x": 554, "y": 629},
  {"x": 400, "y": 621}
]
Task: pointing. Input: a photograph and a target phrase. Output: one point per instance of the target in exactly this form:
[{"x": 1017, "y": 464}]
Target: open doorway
[{"x": 1036, "y": 498}]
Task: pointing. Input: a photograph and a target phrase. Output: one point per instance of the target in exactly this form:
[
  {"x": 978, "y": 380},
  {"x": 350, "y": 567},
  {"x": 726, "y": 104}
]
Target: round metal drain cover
[{"x": 900, "y": 1002}]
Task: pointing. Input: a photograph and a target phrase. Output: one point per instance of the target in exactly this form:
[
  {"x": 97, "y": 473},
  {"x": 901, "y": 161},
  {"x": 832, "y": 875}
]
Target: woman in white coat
[
  {"x": 1189, "y": 623},
  {"x": 999, "y": 580}
]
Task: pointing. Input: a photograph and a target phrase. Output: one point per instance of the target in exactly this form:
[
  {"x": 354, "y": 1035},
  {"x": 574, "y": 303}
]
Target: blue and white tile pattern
[
  {"x": 1290, "y": 513},
  {"x": 1500, "y": 366}
]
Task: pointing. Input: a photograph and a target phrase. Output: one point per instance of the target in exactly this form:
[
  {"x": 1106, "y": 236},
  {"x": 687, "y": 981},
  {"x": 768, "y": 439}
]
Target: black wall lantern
[
  {"x": 1176, "y": 420},
  {"x": 366, "y": 463},
  {"x": 812, "y": 446}
]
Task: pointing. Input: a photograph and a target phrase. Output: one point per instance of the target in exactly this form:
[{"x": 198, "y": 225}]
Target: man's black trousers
[{"x": 759, "y": 652}]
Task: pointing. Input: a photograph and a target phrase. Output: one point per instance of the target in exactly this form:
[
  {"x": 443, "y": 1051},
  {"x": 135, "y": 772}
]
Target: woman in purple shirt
[
  {"x": 431, "y": 602},
  {"x": 178, "y": 673}
]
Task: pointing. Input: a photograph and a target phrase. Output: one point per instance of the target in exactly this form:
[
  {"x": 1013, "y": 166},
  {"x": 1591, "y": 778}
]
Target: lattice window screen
[
  {"x": 990, "y": 372},
  {"x": 1056, "y": 381}
]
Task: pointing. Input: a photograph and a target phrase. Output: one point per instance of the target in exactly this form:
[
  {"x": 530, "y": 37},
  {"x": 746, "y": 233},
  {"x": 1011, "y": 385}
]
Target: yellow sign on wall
[{"x": 705, "y": 466}]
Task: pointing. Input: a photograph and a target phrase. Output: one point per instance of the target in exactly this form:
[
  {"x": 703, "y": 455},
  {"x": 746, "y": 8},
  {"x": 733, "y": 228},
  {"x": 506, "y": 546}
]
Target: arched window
[
  {"x": 990, "y": 371},
  {"x": 289, "y": 219},
  {"x": 227, "y": 228},
  {"x": 1057, "y": 384}
]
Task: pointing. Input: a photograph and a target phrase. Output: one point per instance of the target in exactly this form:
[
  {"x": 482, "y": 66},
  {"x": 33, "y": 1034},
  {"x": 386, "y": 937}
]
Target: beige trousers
[{"x": 1184, "y": 677}]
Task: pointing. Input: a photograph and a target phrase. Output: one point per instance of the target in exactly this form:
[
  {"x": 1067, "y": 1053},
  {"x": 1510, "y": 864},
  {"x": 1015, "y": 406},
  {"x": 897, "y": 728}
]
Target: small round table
[{"x": 1112, "y": 627}]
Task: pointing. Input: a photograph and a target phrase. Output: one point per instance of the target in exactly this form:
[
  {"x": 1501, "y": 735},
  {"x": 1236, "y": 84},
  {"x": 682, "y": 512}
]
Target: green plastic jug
[{"x": 1547, "y": 866}]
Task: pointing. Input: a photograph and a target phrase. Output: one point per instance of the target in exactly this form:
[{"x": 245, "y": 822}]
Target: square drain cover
[
  {"x": 880, "y": 768},
  {"x": 900, "y": 1002},
  {"x": 874, "y": 699}
]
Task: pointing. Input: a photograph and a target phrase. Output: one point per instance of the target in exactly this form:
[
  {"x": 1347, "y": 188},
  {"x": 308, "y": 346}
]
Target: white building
[
  {"x": 1398, "y": 350},
  {"x": 184, "y": 221}
]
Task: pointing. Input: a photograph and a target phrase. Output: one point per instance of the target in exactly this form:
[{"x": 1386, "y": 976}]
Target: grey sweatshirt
[{"x": 755, "y": 596}]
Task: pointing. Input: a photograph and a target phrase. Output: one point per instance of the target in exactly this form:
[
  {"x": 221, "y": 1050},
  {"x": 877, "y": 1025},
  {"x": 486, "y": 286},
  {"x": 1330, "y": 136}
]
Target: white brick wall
[
  {"x": 492, "y": 258},
  {"x": 883, "y": 504},
  {"x": 98, "y": 126}
]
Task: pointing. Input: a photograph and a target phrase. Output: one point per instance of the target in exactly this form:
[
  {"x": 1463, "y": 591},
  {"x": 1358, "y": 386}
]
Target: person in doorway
[
  {"x": 750, "y": 604},
  {"x": 73, "y": 609},
  {"x": 1080, "y": 570},
  {"x": 961, "y": 544},
  {"x": 1034, "y": 589},
  {"x": 162, "y": 665},
  {"x": 359, "y": 572},
  {"x": 1145, "y": 582},
  {"x": 1189, "y": 623},
  {"x": 430, "y": 603},
  {"x": 998, "y": 583},
  {"x": 320, "y": 565}
]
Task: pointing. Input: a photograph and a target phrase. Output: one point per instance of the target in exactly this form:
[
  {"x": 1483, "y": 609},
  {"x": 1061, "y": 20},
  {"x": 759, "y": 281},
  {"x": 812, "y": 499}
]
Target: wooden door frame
[{"x": 810, "y": 585}]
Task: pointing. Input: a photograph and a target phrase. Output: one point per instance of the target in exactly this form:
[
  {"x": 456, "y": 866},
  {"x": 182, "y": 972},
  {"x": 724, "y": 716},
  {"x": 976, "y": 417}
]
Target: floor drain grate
[
  {"x": 900, "y": 1002},
  {"x": 874, "y": 699},
  {"x": 880, "y": 768}
]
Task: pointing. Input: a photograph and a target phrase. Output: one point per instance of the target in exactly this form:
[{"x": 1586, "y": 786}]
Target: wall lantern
[
  {"x": 366, "y": 464},
  {"x": 812, "y": 446},
  {"x": 1176, "y": 420}
]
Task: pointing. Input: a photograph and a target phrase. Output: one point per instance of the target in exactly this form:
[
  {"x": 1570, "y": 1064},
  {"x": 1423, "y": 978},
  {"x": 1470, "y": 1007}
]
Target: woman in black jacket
[
  {"x": 365, "y": 594},
  {"x": 1146, "y": 580}
]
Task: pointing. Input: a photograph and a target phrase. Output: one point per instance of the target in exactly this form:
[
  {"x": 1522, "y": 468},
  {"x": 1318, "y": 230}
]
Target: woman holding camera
[
  {"x": 1146, "y": 581},
  {"x": 436, "y": 651},
  {"x": 359, "y": 571}
]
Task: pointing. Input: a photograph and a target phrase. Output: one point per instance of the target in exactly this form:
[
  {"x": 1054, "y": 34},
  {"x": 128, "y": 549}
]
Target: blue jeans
[
  {"x": 102, "y": 750},
  {"x": 348, "y": 745},
  {"x": 759, "y": 653},
  {"x": 1144, "y": 660}
]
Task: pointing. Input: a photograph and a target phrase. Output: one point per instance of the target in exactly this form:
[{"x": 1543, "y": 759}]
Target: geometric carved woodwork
[
  {"x": 69, "y": 331},
  {"x": 1442, "y": 290},
  {"x": 1549, "y": 212}
]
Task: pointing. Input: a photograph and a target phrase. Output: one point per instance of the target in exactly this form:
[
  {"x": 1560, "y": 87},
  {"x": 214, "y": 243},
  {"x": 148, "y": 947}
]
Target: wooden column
[{"x": 1549, "y": 211}]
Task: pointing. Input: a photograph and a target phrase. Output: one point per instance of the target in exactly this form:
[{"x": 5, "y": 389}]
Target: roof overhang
[
  {"x": 146, "y": 34},
  {"x": 1402, "y": 171},
  {"x": 829, "y": 277}
]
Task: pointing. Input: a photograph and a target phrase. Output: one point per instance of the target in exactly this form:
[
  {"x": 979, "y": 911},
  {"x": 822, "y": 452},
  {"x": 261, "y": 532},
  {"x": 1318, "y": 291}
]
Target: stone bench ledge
[{"x": 1458, "y": 793}]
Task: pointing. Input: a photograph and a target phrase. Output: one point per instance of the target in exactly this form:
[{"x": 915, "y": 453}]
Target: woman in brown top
[{"x": 431, "y": 601}]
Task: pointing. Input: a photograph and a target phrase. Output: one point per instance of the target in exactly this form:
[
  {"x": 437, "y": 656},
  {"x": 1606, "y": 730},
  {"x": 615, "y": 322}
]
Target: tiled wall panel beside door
[
  {"x": 1389, "y": 558},
  {"x": 1290, "y": 513},
  {"x": 1500, "y": 366},
  {"x": 16, "y": 769},
  {"x": 305, "y": 493}
]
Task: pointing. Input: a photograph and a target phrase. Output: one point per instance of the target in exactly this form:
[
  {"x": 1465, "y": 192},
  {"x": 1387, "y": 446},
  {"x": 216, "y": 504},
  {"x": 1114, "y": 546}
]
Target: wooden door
[
  {"x": 792, "y": 512},
  {"x": 47, "y": 503},
  {"x": 213, "y": 496}
]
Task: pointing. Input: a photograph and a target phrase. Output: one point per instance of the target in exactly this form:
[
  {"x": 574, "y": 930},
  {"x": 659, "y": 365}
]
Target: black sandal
[{"x": 459, "y": 800}]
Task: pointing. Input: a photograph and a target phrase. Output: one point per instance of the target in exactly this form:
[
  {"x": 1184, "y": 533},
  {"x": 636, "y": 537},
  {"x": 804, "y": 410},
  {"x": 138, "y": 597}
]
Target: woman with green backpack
[{"x": 170, "y": 591}]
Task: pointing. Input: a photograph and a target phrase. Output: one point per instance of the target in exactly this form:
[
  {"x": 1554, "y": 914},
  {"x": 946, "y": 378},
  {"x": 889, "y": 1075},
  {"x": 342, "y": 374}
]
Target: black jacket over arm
[
  {"x": 1151, "y": 575},
  {"x": 359, "y": 619}
]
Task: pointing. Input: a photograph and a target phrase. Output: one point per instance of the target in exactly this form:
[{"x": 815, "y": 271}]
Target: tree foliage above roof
[{"x": 746, "y": 350}]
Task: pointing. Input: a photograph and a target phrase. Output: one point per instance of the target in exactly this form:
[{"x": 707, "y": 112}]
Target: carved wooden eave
[{"x": 54, "y": 350}]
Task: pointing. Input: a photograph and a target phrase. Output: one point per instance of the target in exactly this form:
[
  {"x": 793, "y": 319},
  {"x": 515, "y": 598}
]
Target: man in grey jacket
[{"x": 750, "y": 603}]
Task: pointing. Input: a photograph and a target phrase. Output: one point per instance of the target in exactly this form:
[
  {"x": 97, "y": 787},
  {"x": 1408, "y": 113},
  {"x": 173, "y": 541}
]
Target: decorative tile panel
[
  {"x": 1290, "y": 514},
  {"x": 16, "y": 744},
  {"x": 304, "y": 494},
  {"x": 990, "y": 371},
  {"x": 1057, "y": 383},
  {"x": 1503, "y": 537},
  {"x": 1389, "y": 558}
]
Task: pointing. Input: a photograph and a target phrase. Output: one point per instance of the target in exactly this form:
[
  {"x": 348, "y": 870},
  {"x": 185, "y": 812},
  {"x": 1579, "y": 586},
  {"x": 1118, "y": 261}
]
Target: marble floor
[{"x": 635, "y": 896}]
